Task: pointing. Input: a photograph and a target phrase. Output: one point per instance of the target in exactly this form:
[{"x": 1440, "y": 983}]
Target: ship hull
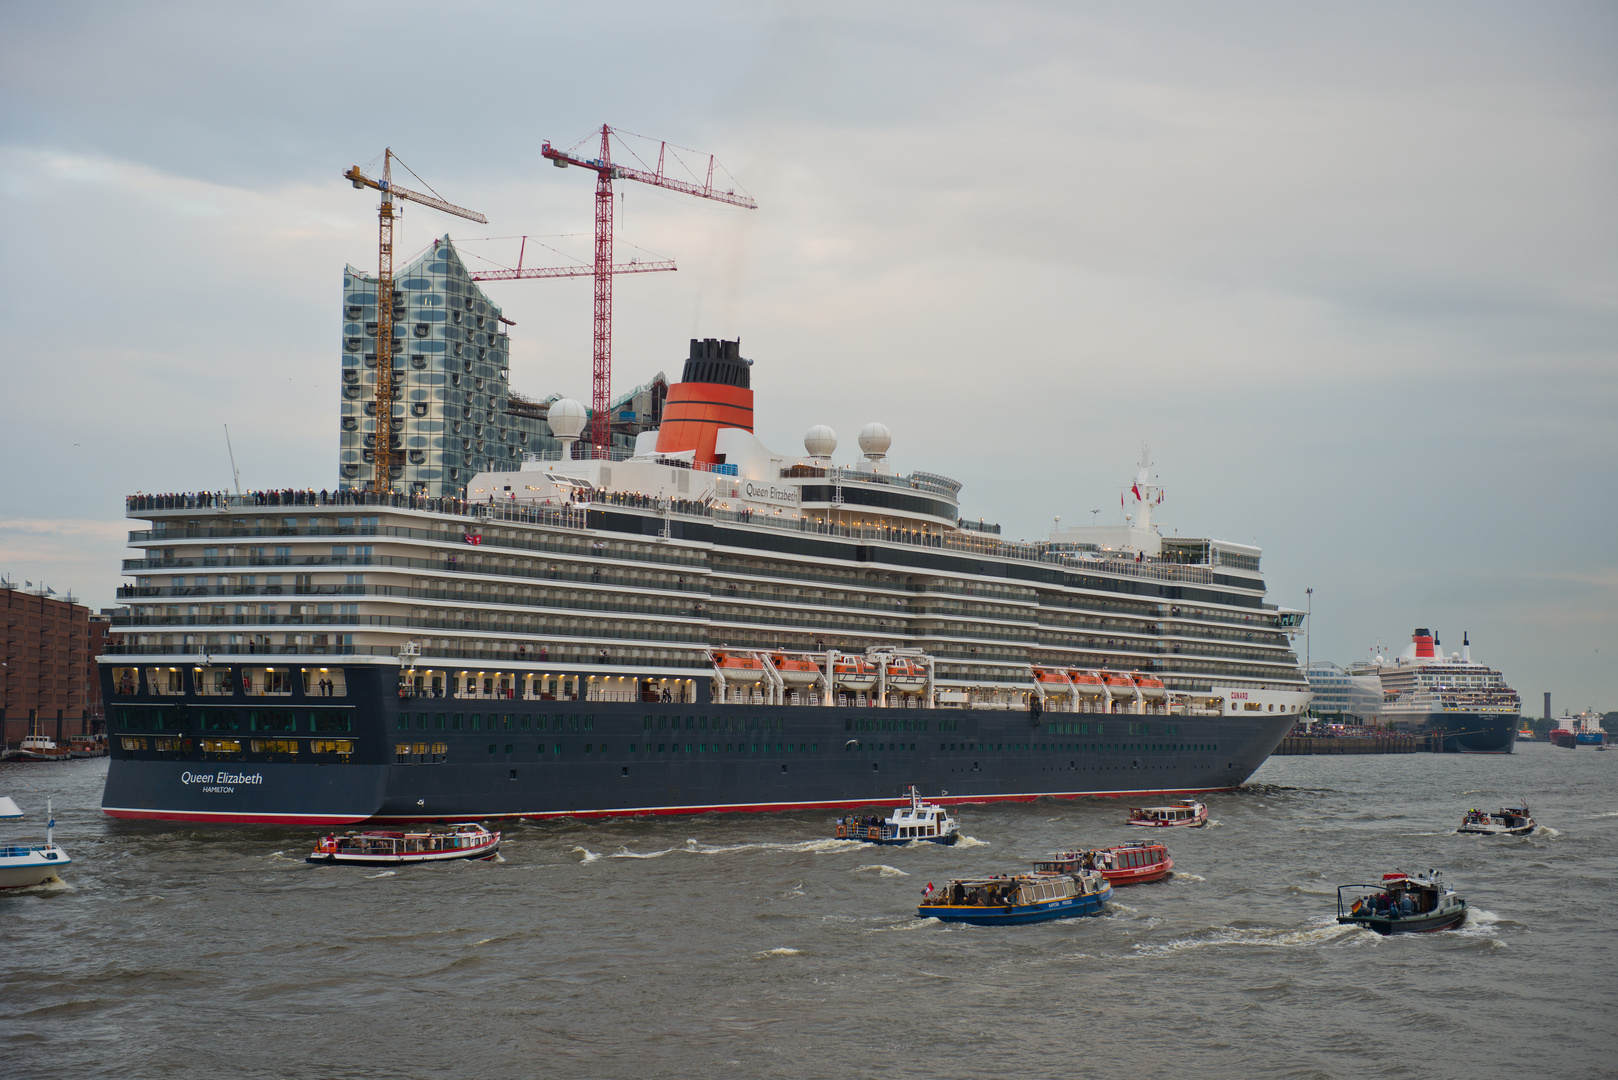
[
  {"x": 1463, "y": 733},
  {"x": 535, "y": 759}
]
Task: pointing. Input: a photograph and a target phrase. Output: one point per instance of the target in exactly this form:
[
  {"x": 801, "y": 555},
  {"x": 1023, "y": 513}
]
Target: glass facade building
[{"x": 454, "y": 413}]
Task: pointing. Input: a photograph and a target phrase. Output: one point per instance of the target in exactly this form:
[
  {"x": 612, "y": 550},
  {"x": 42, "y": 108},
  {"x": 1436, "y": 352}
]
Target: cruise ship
[
  {"x": 697, "y": 623},
  {"x": 1453, "y": 697}
]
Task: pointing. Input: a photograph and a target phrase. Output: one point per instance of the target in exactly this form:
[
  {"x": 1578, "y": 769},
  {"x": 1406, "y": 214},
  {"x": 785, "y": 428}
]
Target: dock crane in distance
[
  {"x": 606, "y": 172},
  {"x": 383, "y": 450}
]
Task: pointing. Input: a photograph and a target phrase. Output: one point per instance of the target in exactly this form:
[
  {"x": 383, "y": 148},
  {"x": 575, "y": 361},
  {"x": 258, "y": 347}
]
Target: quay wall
[{"x": 1373, "y": 744}]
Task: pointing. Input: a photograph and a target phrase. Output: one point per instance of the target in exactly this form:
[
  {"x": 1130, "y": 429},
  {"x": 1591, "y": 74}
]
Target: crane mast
[
  {"x": 606, "y": 172},
  {"x": 382, "y": 451}
]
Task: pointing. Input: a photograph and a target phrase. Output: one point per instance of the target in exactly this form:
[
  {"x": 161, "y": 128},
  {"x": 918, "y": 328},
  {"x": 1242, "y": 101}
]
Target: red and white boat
[
  {"x": 1187, "y": 813},
  {"x": 467, "y": 841},
  {"x": 1134, "y": 863}
]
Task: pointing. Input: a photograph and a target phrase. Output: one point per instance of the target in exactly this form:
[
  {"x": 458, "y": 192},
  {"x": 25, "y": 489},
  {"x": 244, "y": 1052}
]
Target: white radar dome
[
  {"x": 820, "y": 441},
  {"x": 875, "y": 440},
  {"x": 567, "y": 418}
]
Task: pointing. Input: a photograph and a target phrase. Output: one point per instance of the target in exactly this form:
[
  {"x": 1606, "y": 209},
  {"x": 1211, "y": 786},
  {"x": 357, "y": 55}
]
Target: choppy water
[{"x": 748, "y": 946}]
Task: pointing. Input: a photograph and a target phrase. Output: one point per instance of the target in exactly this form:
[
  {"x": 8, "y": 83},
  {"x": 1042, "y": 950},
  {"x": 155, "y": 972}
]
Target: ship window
[
  {"x": 326, "y": 720},
  {"x": 455, "y": 721},
  {"x": 221, "y": 746},
  {"x": 134, "y": 744},
  {"x": 404, "y": 721},
  {"x": 662, "y": 748},
  {"x": 332, "y": 746},
  {"x": 476, "y": 722},
  {"x": 274, "y": 746},
  {"x": 438, "y": 721},
  {"x": 125, "y": 681},
  {"x": 218, "y": 720},
  {"x": 131, "y": 718},
  {"x": 421, "y": 721},
  {"x": 492, "y": 749},
  {"x": 272, "y": 720}
]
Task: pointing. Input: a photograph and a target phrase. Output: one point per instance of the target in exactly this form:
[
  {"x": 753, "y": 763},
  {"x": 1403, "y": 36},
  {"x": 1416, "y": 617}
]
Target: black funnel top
[{"x": 714, "y": 360}]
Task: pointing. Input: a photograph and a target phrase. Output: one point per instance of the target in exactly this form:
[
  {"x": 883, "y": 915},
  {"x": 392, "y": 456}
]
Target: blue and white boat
[
  {"x": 24, "y": 865},
  {"x": 920, "y": 821},
  {"x": 1011, "y": 899}
]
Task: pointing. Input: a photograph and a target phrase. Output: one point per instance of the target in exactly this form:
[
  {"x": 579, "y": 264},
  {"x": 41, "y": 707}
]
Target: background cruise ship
[
  {"x": 1427, "y": 693},
  {"x": 693, "y": 624}
]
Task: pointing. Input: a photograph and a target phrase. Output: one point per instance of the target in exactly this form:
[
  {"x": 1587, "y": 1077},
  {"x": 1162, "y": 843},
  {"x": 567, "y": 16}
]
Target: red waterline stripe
[{"x": 767, "y": 808}]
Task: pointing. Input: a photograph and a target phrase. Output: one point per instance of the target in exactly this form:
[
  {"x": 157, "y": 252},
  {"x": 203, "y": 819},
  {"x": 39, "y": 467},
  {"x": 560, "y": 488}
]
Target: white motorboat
[
  {"x": 1507, "y": 821},
  {"x": 24, "y": 865},
  {"x": 9, "y": 810}
]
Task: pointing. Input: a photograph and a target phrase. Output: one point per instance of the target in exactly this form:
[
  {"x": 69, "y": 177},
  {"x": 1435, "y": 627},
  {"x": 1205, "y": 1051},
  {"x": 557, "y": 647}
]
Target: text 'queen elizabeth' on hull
[{"x": 699, "y": 624}]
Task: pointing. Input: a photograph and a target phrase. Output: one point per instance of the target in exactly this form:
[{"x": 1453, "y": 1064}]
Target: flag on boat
[
  {"x": 1136, "y": 489},
  {"x": 928, "y": 889},
  {"x": 472, "y": 538}
]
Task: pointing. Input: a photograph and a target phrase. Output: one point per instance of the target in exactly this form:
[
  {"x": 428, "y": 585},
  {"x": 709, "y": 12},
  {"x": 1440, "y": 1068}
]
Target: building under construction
[{"x": 454, "y": 412}]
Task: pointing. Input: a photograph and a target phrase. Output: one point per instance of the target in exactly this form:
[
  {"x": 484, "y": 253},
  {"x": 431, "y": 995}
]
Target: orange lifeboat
[
  {"x": 1120, "y": 685},
  {"x": 1151, "y": 689},
  {"x": 739, "y": 665},
  {"x": 853, "y": 673},
  {"x": 1087, "y": 683},
  {"x": 1054, "y": 683},
  {"x": 796, "y": 671},
  {"x": 906, "y": 675}
]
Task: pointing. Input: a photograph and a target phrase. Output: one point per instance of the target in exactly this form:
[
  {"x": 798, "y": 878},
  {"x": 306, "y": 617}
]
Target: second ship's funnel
[{"x": 714, "y": 392}]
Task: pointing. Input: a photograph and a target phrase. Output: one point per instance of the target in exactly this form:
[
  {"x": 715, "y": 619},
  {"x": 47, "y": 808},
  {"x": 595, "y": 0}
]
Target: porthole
[
  {"x": 355, "y": 311},
  {"x": 418, "y": 361},
  {"x": 350, "y": 424},
  {"x": 351, "y": 376},
  {"x": 370, "y": 359},
  {"x": 421, "y": 329},
  {"x": 417, "y": 457},
  {"x": 351, "y": 470},
  {"x": 370, "y": 328},
  {"x": 352, "y": 344}
]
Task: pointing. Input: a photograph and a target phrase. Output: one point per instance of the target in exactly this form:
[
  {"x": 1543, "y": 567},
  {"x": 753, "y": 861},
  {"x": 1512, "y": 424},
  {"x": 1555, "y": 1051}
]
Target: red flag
[
  {"x": 928, "y": 889},
  {"x": 1136, "y": 489}
]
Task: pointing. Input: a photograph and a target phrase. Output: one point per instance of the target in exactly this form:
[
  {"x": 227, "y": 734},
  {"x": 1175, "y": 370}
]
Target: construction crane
[
  {"x": 383, "y": 449},
  {"x": 603, "y": 271}
]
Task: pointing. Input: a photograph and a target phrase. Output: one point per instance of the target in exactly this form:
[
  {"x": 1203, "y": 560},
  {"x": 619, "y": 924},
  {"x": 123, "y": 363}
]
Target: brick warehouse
[{"x": 49, "y": 673}]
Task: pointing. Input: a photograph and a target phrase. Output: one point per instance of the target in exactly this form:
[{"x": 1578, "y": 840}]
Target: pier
[{"x": 1357, "y": 744}]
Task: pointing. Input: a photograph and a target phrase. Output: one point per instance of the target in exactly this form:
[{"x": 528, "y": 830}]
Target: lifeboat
[
  {"x": 1087, "y": 683},
  {"x": 906, "y": 675},
  {"x": 738, "y": 665},
  {"x": 796, "y": 671},
  {"x": 853, "y": 673},
  {"x": 1120, "y": 685},
  {"x": 1151, "y": 689},
  {"x": 1054, "y": 683}
]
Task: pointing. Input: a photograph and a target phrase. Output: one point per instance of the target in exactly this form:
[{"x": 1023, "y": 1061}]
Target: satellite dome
[
  {"x": 820, "y": 441},
  {"x": 567, "y": 418},
  {"x": 874, "y": 440}
]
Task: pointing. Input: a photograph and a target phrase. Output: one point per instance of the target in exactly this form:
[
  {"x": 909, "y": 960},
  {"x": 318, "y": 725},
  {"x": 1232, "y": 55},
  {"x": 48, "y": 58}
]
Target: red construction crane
[{"x": 606, "y": 172}]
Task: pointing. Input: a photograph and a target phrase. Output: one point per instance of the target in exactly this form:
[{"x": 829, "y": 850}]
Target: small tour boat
[
  {"x": 1186, "y": 812},
  {"x": 23, "y": 865},
  {"x": 1507, "y": 821},
  {"x": 918, "y": 821},
  {"x": 1134, "y": 863},
  {"x": 89, "y": 746},
  {"x": 1017, "y": 898},
  {"x": 467, "y": 841},
  {"x": 1401, "y": 904},
  {"x": 38, "y": 748}
]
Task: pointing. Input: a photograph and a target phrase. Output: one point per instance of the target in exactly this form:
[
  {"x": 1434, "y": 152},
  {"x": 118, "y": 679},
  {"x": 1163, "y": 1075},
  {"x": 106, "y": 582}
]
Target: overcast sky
[{"x": 1350, "y": 270}]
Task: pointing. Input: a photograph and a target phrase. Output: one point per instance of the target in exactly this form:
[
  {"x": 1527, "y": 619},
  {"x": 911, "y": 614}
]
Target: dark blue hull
[
  {"x": 1465, "y": 733},
  {"x": 1070, "y": 908},
  {"x": 452, "y": 759}
]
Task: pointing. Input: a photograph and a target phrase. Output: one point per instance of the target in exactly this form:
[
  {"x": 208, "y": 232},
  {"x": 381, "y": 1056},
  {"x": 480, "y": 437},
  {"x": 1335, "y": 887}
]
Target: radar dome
[
  {"x": 820, "y": 441},
  {"x": 567, "y": 418},
  {"x": 875, "y": 440}
]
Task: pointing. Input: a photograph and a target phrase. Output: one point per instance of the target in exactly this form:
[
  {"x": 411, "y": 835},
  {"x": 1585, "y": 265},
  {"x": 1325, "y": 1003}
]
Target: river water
[{"x": 750, "y": 946}]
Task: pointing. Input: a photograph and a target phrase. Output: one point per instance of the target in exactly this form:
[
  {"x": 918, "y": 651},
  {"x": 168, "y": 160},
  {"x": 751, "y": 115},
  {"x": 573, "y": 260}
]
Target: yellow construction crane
[{"x": 385, "y": 302}]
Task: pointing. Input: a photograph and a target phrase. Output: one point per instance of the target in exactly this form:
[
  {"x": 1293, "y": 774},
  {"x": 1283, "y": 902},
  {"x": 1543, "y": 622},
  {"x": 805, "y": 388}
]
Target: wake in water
[
  {"x": 781, "y": 951},
  {"x": 880, "y": 868},
  {"x": 1321, "y": 934},
  {"x": 385, "y": 873},
  {"x": 694, "y": 847}
]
